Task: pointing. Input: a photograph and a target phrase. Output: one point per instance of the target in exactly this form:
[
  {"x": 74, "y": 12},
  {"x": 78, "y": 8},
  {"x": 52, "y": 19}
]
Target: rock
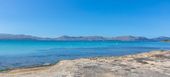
[{"x": 152, "y": 64}]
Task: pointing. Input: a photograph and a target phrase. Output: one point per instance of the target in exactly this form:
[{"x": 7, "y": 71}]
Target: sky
[{"x": 50, "y": 18}]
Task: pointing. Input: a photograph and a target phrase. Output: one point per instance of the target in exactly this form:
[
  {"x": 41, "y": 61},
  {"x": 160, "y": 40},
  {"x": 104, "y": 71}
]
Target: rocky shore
[{"x": 152, "y": 64}]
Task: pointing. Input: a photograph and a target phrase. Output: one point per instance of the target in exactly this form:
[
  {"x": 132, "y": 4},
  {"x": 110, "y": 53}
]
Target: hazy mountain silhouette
[{"x": 88, "y": 38}]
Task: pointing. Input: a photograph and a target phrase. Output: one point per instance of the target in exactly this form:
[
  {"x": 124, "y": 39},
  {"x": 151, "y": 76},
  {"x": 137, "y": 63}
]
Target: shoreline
[
  {"x": 52, "y": 64},
  {"x": 71, "y": 68}
]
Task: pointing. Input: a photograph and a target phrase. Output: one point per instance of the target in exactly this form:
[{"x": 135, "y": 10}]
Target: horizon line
[{"x": 80, "y": 35}]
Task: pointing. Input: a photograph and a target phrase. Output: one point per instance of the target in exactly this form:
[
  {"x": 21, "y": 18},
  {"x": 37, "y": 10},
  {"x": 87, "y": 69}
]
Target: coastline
[{"x": 154, "y": 63}]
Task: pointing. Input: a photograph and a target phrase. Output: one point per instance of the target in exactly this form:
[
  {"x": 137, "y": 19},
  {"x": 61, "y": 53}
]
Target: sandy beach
[{"x": 152, "y": 64}]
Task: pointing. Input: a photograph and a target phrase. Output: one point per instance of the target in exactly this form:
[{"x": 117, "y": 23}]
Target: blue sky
[{"x": 52, "y": 18}]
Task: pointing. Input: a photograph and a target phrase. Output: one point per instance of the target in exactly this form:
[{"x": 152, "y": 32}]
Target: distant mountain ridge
[
  {"x": 11, "y": 36},
  {"x": 81, "y": 38},
  {"x": 161, "y": 38},
  {"x": 130, "y": 38}
]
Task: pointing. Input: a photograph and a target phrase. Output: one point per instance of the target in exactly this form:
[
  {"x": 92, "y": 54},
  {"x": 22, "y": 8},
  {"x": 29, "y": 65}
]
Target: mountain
[
  {"x": 162, "y": 38},
  {"x": 89, "y": 38},
  {"x": 130, "y": 38},
  {"x": 18, "y": 37},
  {"x": 80, "y": 38}
]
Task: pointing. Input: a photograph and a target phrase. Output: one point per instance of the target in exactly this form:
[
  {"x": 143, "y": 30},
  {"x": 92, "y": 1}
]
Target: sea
[{"x": 32, "y": 53}]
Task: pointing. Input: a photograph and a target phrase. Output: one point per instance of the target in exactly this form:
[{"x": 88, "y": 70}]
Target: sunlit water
[{"x": 24, "y": 53}]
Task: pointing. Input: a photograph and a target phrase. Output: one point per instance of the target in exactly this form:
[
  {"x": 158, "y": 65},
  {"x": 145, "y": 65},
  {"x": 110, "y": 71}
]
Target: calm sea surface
[{"x": 14, "y": 53}]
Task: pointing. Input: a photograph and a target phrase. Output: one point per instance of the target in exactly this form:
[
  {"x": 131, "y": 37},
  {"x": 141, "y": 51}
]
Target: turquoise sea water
[{"x": 26, "y": 53}]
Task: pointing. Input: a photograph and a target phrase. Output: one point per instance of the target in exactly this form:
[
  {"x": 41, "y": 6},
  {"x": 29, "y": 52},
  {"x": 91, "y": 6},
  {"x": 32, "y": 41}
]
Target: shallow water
[{"x": 26, "y": 53}]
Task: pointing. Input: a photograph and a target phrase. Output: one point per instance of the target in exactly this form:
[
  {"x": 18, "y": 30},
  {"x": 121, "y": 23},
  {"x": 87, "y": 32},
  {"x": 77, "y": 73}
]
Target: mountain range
[{"x": 81, "y": 38}]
